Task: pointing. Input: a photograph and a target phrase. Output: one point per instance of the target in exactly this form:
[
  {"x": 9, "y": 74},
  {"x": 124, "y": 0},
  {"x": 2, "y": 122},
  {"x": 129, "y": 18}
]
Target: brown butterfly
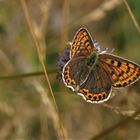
[{"x": 92, "y": 73}]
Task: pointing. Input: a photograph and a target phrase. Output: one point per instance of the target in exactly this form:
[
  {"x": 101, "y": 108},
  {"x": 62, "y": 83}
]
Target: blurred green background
[{"x": 27, "y": 111}]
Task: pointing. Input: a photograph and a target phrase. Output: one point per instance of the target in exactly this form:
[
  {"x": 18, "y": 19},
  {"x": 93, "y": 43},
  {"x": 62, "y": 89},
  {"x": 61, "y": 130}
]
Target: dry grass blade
[
  {"x": 50, "y": 109},
  {"x": 64, "y": 28},
  {"x": 99, "y": 12},
  {"x": 132, "y": 15},
  {"x": 37, "y": 45},
  {"x": 118, "y": 110},
  {"x": 5, "y": 108},
  {"x": 15, "y": 115},
  {"x": 45, "y": 7},
  {"x": 119, "y": 124}
]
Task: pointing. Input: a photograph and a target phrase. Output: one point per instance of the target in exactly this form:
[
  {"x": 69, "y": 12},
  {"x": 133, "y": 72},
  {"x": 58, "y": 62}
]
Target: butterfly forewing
[
  {"x": 82, "y": 44},
  {"x": 122, "y": 72}
]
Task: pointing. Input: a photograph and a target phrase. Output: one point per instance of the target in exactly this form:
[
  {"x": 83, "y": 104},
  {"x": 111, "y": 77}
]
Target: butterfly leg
[{"x": 103, "y": 51}]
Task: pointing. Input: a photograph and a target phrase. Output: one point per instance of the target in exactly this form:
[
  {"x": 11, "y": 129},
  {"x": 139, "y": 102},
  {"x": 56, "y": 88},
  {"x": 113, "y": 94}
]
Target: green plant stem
[{"x": 25, "y": 75}]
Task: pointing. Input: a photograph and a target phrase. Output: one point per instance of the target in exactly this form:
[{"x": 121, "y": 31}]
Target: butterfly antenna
[
  {"x": 96, "y": 44},
  {"x": 103, "y": 51},
  {"x": 112, "y": 51}
]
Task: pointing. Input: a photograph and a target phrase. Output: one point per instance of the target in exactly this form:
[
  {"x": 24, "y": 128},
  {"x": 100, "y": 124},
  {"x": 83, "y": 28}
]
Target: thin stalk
[
  {"x": 38, "y": 48},
  {"x": 132, "y": 16},
  {"x": 26, "y": 75}
]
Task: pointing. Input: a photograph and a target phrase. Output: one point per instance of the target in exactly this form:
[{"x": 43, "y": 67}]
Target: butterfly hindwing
[
  {"x": 93, "y": 84},
  {"x": 97, "y": 87},
  {"x": 82, "y": 44},
  {"x": 122, "y": 72}
]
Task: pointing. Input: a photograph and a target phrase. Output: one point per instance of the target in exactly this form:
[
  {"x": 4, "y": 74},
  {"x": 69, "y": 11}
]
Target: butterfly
[{"x": 92, "y": 74}]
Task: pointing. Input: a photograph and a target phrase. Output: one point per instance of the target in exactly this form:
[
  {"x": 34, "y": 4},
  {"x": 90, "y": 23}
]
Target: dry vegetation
[{"x": 34, "y": 104}]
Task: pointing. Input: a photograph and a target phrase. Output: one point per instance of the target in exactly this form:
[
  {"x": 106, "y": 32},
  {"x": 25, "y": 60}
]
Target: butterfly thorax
[
  {"x": 92, "y": 59},
  {"x": 85, "y": 68}
]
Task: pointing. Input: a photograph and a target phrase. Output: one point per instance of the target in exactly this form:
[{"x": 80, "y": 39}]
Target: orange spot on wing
[
  {"x": 131, "y": 65},
  {"x": 114, "y": 77},
  {"x": 115, "y": 63},
  {"x": 124, "y": 68}
]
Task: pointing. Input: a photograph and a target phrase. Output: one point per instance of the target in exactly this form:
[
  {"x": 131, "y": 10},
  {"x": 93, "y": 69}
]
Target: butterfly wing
[
  {"x": 75, "y": 72},
  {"x": 97, "y": 87},
  {"x": 82, "y": 44},
  {"x": 122, "y": 72}
]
